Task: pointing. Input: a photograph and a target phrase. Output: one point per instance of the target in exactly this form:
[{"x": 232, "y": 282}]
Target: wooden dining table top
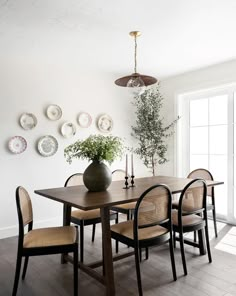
[{"x": 80, "y": 197}]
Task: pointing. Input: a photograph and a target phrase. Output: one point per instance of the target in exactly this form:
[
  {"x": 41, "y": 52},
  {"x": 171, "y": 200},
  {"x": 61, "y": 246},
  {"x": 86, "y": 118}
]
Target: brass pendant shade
[{"x": 135, "y": 79}]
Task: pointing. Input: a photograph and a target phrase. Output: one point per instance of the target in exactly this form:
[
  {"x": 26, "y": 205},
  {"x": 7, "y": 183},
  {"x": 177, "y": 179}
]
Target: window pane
[
  {"x": 218, "y": 109},
  {"x": 199, "y": 140},
  {"x": 218, "y": 139},
  {"x": 199, "y": 112},
  {"x": 198, "y": 161},
  {"x": 234, "y": 107},
  {"x": 218, "y": 168}
]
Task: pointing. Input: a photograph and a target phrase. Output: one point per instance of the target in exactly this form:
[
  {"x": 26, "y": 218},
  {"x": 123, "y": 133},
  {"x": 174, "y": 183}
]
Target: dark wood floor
[{"x": 47, "y": 277}]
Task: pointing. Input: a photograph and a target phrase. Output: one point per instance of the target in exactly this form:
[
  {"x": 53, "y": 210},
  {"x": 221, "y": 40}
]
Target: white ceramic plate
[
  {"x": 28, "y": 121},
  {"x": 68, "y": 129},
  {"x": 84, "y": 119},
  {"x": 105, "y": 123},
  {"x": 54, "y": 112},
  {"x": 47, "y": 146},
  {"x": 17, "y": 144}
]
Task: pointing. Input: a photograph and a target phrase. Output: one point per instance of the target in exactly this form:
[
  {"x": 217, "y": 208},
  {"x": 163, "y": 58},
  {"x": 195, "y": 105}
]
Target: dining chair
[
  {"x": 84, "y": 218},
  {"x": 191, "y": 216},
  {"x": 151, "y": 226},
  {"x": 42, "y": 241},
  {"x": 127, "y": 208},
  {"x": 206, "y": 175}
]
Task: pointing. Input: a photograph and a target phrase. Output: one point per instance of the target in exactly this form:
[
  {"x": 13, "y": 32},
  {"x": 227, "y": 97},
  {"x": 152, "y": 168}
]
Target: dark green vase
[{"x": 97, "y": 176}]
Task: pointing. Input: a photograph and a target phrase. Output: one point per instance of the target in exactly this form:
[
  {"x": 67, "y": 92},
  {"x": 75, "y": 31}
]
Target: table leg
[
  {"x": 66, "y": 221},
  {"x": 107, "y": 250},
  {"x": 202, "y": 243}
]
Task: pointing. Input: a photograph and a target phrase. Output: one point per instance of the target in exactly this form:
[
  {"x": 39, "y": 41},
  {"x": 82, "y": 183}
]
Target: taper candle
[
  {"x": 132, "y": 165},
  {"x": 126, "y": 166}
]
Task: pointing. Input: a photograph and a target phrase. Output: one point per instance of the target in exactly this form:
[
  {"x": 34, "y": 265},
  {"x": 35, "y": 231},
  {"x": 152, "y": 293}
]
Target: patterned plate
[
  {"x": 47, "y": 146},
  {"x": 28, "y": 121},
  {"x": 54, "y": 112},
  {"x": 68, "y": 129},
  {"x": 105, "y": 123},
  {"x": 84, "y": 119},
  {"x": 17, "y": 144}
]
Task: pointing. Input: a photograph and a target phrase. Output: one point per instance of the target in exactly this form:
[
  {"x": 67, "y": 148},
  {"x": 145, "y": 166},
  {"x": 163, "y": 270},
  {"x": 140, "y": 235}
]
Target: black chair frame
[
  {"x": 38, "y": 251},
  {"x": 82, "y": 223},
  {"x": 203, "y": 225},
  {"x": 139, "y": 244}
]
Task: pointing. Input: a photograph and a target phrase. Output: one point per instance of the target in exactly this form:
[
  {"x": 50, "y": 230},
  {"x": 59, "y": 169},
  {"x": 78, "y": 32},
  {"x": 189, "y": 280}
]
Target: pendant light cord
[{"x": 135, "y": 54}]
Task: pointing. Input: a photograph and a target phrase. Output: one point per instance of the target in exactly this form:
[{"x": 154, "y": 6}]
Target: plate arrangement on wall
[
  {"x": 28, "y": 121},
  {"x": 84, "y": 119},
  {"x": 68, "y": 129},
  {"x": 47, "y": 146},
  {"x": 54, "y": 112},
  {"x": 105, "y": 123},
  {"x": 17, "y": 144}
]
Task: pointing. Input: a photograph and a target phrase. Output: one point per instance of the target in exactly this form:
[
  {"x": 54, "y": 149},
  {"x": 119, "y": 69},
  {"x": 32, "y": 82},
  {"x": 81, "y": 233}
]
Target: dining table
[{"x": 117, "y": 193}]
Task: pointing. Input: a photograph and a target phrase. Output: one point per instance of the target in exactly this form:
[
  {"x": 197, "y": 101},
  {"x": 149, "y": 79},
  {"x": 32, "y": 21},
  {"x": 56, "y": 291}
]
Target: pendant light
[{"x": 135, "y": 80}]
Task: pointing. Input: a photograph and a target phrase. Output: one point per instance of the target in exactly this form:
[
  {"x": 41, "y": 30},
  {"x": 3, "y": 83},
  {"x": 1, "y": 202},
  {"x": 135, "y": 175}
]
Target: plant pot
[{"x": 97, "y": 176}]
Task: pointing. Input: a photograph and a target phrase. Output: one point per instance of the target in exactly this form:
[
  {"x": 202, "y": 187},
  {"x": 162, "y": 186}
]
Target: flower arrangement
[{"x": 95, "y": 148}]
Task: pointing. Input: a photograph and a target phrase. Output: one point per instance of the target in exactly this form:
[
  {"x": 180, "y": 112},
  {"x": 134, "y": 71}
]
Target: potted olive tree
[
  {"x": 149, "y": 130},
  {"x": 96, "y": 148}
]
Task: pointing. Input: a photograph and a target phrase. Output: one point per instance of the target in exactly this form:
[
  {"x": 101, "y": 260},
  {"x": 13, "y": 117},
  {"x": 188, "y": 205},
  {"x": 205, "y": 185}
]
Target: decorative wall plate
[
  {"x": 105, "y": 123},
  {"x": 84, "y": 119},
  {"x": 17, "y": 144},
  {"x": 47, "y": 146},
  {"x": 28, "y": 121},
  {"x": 68, "y": 129},
  {"x": 54, "y": 112}
]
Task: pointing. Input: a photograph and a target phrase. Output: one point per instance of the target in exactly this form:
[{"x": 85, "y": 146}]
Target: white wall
[{"x": 210, "y": 77}]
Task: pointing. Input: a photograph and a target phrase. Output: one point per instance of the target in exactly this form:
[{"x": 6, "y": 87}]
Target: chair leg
[
  {"x": 93, "y": 233},
  {"x": 137, "y": 263},
  {"x": 147, "y": 253},
  {"x": 75, "y": 271},
  {"x": 25, "y": 267},
  {"x": 174, "y": 239},
  {"x": 128, "y": 215},
  {"x": 17, "y": 274},
  {"x": 82, "y": 241},
  {"x": 140, "y": 254},
  {"x": 208, "y": 243},
  {"x": 117, "y": 242},
  {"x": 195, "y": 236},
  {"x": 181, "y": 241},
  {"x": 214, "y": 221},
  {"x": 172, "y": 257}
]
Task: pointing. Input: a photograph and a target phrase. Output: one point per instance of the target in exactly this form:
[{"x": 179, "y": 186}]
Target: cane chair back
[{"x": 42, "y": 241}]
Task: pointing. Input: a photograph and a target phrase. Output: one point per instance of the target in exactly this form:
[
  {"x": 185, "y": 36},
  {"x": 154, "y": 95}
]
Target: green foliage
[
  {"x": 150, "y": 130},
  {"x": 95, "y": 147}
]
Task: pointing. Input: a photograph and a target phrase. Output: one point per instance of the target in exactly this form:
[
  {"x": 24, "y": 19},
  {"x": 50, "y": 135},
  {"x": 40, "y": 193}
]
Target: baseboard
[{"x": 13, "y": 230}]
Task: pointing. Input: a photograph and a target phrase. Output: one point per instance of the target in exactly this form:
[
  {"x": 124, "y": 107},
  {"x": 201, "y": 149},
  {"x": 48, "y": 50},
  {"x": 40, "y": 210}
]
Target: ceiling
[{"x": 177, "y": 35}]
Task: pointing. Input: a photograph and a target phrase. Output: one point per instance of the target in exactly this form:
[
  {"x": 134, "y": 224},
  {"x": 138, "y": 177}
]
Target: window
[{"x": 206, "y": 139}]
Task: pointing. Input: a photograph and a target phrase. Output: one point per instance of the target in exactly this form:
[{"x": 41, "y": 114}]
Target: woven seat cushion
[
  {"x": 126, "y": 229},
  {"x": 187, "y": 220},
  {"x": 175, "y": 205},
  {"x": 132, "y": 205},
  {"x": 86, "y": 215},
  {"x": 53, "y": 236}
]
